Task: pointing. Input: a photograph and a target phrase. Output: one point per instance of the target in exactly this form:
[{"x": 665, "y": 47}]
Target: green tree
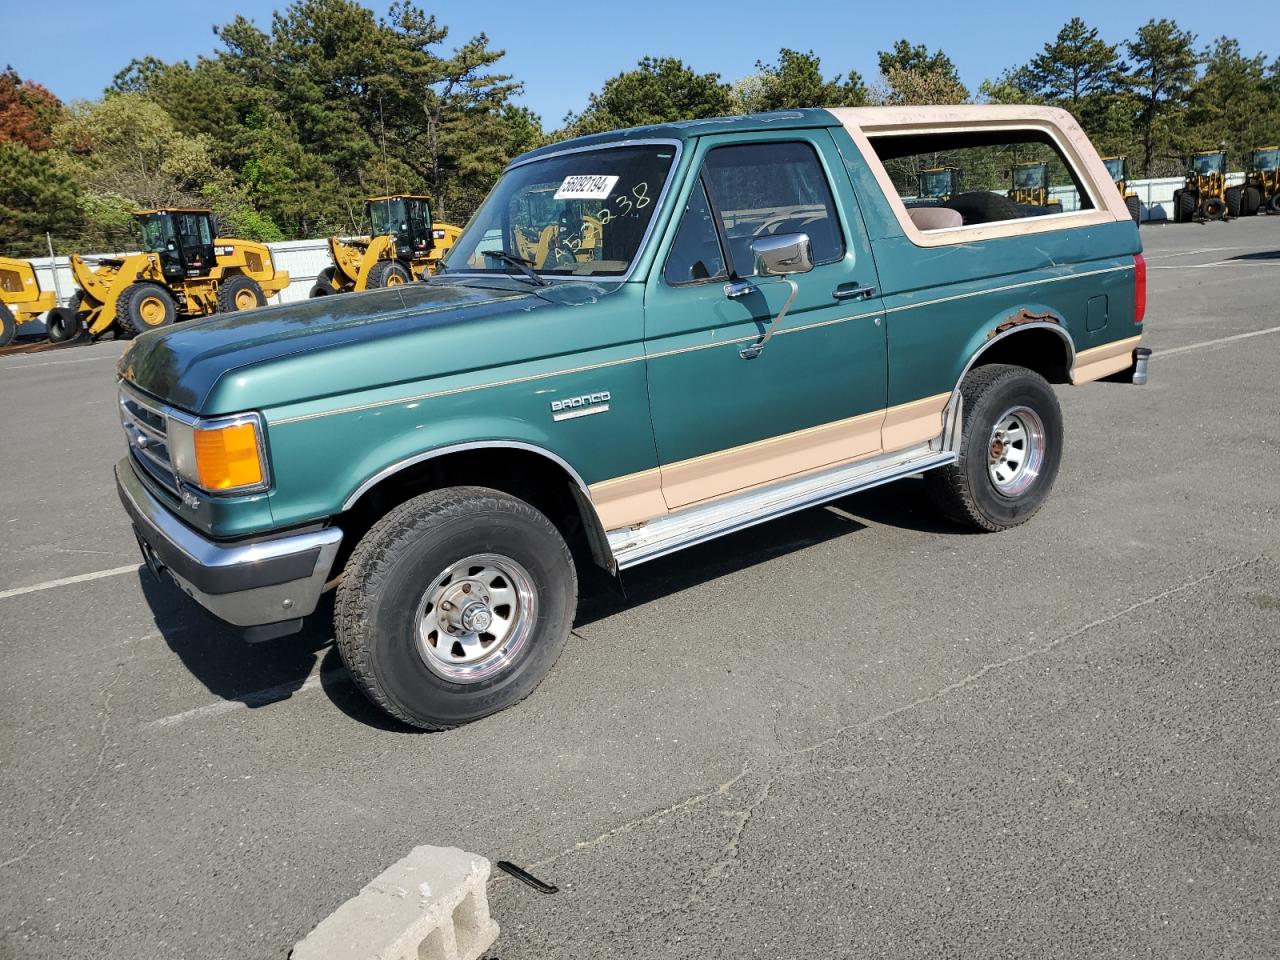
[
  {"x": 1078, "y": 64},
  {"x": 658, "y": 90},
  {"x": 913, "y": 74},
  {"x": 1162, "y": 70},
  {"x": 796, "y": 80},
  {"x": 1233, "y": 104},
  {"x": 35, "y": 197}
]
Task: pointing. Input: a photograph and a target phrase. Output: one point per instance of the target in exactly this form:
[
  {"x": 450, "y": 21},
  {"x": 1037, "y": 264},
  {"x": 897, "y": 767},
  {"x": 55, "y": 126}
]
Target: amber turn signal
[{"x": 228, "y": 457}]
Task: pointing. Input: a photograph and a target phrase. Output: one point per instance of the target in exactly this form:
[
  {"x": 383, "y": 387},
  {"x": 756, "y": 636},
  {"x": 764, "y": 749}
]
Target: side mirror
[
  {"x": 782, "y": 254},
  {"x": 778, "y": 256}
]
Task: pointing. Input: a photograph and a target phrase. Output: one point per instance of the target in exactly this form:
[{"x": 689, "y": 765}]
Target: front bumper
[{"x": 246, "y": 584}]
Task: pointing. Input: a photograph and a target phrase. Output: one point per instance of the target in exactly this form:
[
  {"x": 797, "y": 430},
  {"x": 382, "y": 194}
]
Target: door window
[
  {"x": 696, "y": 254},
  {"x": 768, "y": 189}
]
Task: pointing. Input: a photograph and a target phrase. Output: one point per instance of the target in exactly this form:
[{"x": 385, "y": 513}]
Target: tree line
[{"x": 283, "y": 131}]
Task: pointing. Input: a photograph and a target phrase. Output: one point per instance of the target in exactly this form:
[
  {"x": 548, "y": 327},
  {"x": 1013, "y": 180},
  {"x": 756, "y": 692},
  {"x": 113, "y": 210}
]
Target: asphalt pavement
[{"x": 855, "y": 731}]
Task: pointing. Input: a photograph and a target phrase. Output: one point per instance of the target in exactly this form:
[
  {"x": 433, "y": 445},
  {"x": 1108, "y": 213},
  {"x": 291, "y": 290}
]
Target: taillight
[{"x": 1139, "y": 288}]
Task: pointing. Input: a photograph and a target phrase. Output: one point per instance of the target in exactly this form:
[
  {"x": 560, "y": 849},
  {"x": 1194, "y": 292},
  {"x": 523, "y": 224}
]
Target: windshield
[
  {"x": 1207, "y": 163},
  {"x": 1028, "y": 177},
  {"x": 581, "y": 214},
  {"x": 1115, "y": 167},
  {"x": 157, "y": 232},
  {"x": 386, "y": 216},
  {"x": 1266, "y": 160}
]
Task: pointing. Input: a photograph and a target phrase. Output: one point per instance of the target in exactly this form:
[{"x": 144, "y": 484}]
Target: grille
[{"x": 146, "y": 427}]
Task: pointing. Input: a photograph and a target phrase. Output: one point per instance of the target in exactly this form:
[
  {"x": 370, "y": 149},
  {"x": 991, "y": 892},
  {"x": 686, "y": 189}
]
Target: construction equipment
[
  {"x": 1031, "y": 186},
  {"x": 1118, "y": 167},
  {"x": 1203, "y": 195},
  {"x": 183, "y": 271},
  {"x": 21, "y": 299},
  {"x": 1261, "y": 188},
  {"x": 938, "y": 184},
  {"x": 403, "y": 245}
]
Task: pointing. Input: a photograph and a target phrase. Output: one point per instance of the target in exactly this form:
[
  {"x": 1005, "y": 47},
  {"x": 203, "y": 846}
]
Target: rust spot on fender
[{"x": 1018, "y": 319}]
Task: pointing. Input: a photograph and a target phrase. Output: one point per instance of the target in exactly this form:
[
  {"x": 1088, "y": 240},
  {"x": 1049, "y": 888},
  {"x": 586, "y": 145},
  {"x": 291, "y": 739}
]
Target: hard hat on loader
[
  {"x": 21, "y": 299},
  {"x": 404, "y": 245},
  {"x": 183, "y": 271}
]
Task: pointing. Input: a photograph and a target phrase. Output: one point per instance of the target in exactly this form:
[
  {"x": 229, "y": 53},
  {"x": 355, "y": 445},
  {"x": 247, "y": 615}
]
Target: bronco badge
[{"x": 583, "y": 406}]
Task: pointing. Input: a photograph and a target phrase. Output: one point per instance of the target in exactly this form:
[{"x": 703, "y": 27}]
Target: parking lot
[{"x": 856, "y": 731}]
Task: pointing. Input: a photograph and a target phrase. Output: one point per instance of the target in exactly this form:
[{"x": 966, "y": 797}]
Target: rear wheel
[
  {"x": 8, "y": 325},
  {"x": 1235, "y": 201},
  {"x": 454, "y": 606},
  {"x": 1274, "y": 203},
  {"x": 145, "y": 306},
  {"x": 1188, "y": 201},
  {"x": 238, "y": 292},
  {"x": 1134, "y": 206},
  {"x": 1010, "y": 450},
  {"x": 324, "y": 285},
  {"x": 1252, "y": 201},
  {"x": 388, "y": 273}
]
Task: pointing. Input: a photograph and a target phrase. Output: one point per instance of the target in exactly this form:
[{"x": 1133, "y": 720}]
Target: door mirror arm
[{"x": 776, "y": 256}]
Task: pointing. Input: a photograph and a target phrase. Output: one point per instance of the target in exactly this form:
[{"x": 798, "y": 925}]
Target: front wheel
[
  {"x": 8, "y": 326},
  {"x": 454, "y": 606},
  {"x": 1010, "y": 450}
]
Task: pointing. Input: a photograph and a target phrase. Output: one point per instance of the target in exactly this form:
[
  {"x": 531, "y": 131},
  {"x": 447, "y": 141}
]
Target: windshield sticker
[{"x": 585, "y": 188}]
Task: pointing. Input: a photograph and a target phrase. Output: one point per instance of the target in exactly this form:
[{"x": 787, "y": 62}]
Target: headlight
[{"x": 223, "y": 455}]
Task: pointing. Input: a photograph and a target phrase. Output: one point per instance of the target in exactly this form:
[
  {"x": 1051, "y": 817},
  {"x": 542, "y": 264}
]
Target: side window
[
  {"x": 696, "y": 254},
  {"x": 764, "y": 189}
]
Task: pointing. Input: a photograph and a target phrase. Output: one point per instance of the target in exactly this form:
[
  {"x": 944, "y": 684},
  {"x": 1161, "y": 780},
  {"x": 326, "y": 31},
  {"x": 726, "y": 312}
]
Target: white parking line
[
  {"x": 1213, "y": 343},
  {"x": 255, "y": 698},
  {"x": 1219, "y": 263},
  {"x": 1189, "y": 253},
  {"x": 66, "y": 581}
]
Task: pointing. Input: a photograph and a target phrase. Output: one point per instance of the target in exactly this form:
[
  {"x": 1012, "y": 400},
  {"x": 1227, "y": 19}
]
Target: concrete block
[{"x": 432, "y": 905}]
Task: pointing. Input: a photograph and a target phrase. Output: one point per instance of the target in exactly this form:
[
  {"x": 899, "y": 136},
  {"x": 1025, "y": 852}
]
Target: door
[{"x": 815, "y": 395}]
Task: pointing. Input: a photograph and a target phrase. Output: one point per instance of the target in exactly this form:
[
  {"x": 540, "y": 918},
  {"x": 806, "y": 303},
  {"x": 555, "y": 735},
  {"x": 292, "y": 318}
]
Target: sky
[{"x": 564, "y": 52}]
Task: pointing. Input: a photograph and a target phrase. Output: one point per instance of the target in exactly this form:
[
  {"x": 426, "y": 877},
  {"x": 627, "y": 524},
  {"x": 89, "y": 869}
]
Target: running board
[{"x": 634, "y": 545}]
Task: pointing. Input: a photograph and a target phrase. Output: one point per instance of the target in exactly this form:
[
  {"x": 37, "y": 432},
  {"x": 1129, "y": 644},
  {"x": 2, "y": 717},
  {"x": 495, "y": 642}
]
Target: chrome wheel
[
  {"x": 475, "y": 617},
  {"x": 1015, "y": 453}
]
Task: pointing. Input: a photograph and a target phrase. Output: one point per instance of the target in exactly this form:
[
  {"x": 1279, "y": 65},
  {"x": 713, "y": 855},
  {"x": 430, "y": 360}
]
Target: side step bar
[{"x": 697, "y": 524}]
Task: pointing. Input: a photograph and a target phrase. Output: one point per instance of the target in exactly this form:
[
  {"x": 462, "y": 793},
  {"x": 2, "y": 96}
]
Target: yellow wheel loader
[
  {"x": 1031, "y": 186},
  {"x": 1261, "y": 188},
  {"x": 1118, "y": 167},
  {"x": 21, "y": 299},
  {"x": 183, "y": 271},
  {"x": 403, "y": 245},
  {"x": 1203, "y": 195},
  {"x": 938, "y": 183}
]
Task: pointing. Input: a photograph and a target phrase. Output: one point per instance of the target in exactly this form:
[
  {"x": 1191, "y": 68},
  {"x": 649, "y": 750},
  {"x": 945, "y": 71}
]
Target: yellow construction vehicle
[
  {"x": 938, "y": 183},
  {"x": 1031, "y": 186},
  {"x": 1118, "y": 167},
  {"x": 1261, "y": 188},
  {"x": 403, "y": 245},
  {"x": 1203, "y": 195},
  {"x": 183, "y": 271},
  {"x": 21, "y": 299}
]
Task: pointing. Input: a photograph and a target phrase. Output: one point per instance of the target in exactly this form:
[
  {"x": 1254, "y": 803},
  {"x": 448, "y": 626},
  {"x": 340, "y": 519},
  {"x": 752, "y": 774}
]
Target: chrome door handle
[{"x": 853, "y": 293}]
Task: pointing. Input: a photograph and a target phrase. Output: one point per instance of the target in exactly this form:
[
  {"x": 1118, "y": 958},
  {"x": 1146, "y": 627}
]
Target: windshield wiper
[{"x": 520, "y": 263}]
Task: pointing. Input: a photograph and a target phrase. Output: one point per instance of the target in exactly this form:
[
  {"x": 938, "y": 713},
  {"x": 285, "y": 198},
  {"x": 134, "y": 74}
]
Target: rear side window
[
  {"x": 767, "y": 189},
  {"x": 961, "y": 178}
]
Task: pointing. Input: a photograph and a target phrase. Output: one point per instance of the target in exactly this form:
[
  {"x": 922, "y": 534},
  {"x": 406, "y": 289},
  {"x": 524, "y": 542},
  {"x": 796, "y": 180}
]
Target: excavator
[{"x": 404, "y": 244}]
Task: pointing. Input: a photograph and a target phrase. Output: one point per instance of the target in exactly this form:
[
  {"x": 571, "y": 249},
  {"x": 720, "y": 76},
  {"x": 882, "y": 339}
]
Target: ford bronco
[{"x": 642, "y": 340}]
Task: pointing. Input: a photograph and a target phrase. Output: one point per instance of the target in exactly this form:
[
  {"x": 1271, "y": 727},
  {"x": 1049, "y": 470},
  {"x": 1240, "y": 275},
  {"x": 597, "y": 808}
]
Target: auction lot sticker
[{"x": 585, "y": 188}]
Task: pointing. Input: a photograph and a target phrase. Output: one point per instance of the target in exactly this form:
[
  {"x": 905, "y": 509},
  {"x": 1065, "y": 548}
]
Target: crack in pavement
[
  {"x": 85, "y": 782},
  {"x": 808, "y": 752}
]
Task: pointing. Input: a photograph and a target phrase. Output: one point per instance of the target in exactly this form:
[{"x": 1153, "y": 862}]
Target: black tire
[
  {"x": 1213, "y": 208},
  {"x": 1235, "y": 201},
  {"x": 63, "y": 323},
  {"x": 1134, "y": 206},
  {"x": 387, "y": 273},
  {"x": 1177, "y": 206},
  {"x": 379, "y": 603},
  {"x": 965, "y": 491},
  {"x": 983, "y": 206},
  {"x": 1273, "y": 205},
  {"x": 8, "y": 325},
  {"x": 1054, "y": 207},
  {"x": 1252, "y": 201},
  {"x": 238, "y": 292},
  {"x": 1188, "y": 201},
  {"x": 324, "y": 285},
  {"x": 144, "y": 306}
]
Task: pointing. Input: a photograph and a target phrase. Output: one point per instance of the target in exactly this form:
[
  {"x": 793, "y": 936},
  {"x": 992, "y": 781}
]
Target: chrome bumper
[{"x": 246, "y": 584}]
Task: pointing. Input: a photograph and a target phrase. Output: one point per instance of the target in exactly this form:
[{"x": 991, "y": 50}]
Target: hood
[{"x": 193, "y": 365}]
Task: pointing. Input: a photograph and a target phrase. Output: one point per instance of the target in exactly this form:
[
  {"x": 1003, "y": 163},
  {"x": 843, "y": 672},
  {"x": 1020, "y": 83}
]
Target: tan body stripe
[{"x": 1098, "y": 362}]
